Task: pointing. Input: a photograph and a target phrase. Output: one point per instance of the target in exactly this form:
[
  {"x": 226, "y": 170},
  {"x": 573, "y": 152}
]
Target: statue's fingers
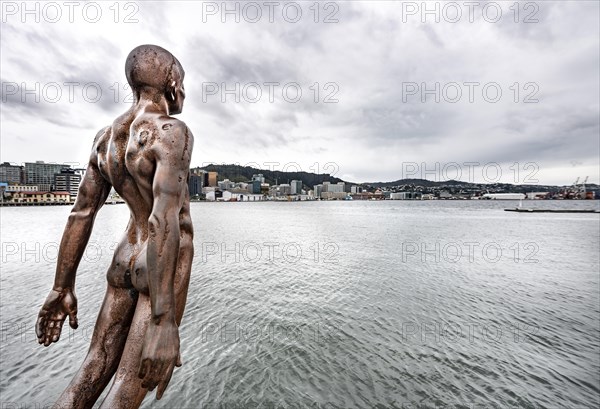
[
  {"x": 39, "y": 328},
  {"x": 73, "y": 321},
  {"x": 149, "y": 383},
  {"x": 56, "y": 331},
  {"x": 162, "y": 385},
  {"x": 155, "y": 375},
  {"x": 143, "y": 369}
]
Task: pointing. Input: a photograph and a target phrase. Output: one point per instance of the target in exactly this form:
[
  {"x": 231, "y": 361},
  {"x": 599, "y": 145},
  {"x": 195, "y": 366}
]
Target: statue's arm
[
  {"x": 93, "y": 191},
  {"x": 169, "y": 189},
  {"x": 160, "y": 353},
  {"x": 163, "y": 240},
  {"x": 61, "y": 301}
]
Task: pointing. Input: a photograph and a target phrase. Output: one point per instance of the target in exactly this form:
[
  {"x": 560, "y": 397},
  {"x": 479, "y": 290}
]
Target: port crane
[{"x": 578, "y": 190}]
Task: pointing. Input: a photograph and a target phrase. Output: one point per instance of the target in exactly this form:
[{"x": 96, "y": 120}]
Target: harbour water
[{"x": 339, "y": 305}]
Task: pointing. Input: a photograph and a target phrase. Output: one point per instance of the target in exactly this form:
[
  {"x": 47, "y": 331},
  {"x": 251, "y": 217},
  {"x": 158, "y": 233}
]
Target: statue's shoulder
[
  {"x": 164, "y": 124},
  {"x": 102, "y": 135},
  {"x": 173, "y": 127},
  {"x": 173, "y": 135},
  {"x": 100, "y": 142},
  {"x": 170, "y": 125}
]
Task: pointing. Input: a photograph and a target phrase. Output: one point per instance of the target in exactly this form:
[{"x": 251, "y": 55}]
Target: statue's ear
[{"x": 171, "y": 92}]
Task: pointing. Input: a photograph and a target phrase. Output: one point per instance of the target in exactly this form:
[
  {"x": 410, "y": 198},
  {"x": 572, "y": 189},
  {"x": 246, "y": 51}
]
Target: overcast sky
[{"x": 370, "y": 119}]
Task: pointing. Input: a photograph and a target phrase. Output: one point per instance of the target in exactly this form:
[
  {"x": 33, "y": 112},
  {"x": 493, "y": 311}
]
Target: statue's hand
[
  {"x": 57, "y": 306},
  {"x": 160, "y": 355}
]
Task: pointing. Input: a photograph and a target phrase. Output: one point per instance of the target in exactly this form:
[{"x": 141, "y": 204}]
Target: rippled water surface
[{"x": 339, "y": 304}]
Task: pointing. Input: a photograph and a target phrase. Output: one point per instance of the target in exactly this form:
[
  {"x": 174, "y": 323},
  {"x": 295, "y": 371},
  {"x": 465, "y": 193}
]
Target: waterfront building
[
  {"x": 11, "y": 174},
  {"x": 42, "y": 174},
  {"x": 196, "y": 183},
  {"x": 255, "y": 187},
  {"x": 241, "y": 196},
  {"x": 226, "y": 184},
  {"x": 405, "y": 196},
  {"x": 335, "y": 188},
  {"x": 317, "y": 190},
  {"x": 41, "y": 197},
  {"x": 20, "y": 188},
  {"x": 67, "y": 181},
  {"x": 212, "y": 179},
  {"x": 212, "y": 194},
  {"x": 281, "y": 190},
  {"x": 296, "y": 187},
  {"x": 333, "y": 195},
  {"x": 378, "y": 195}
]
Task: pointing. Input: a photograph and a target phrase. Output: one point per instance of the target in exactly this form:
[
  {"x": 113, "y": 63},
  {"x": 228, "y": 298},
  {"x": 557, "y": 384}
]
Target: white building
[
  {"x": 283, "y": 190},
  {"x": 337, "y": 188},
  {"x": 20, "y": 188},
  {"x": 317, "y": 190},
  {"x": 405, "y": 196},
  {"x": 229, "y": 196},
  {"x": 296, "y": 187},
  {"x": 226, "y": 184}
]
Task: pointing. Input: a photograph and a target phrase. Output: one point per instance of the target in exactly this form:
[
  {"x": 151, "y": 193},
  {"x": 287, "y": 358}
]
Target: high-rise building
[
  {"x": 195, "y": 184},
  {"x": 67, "y": 180},
  {"x": 296, "y": 187},
  {"x": 337, "y": 188},
  {"x": 283, "y": 189},
  {"x": 11, "y": 174},
  {"x": 317, "y": 190},
  {"x": 254, "y": 187},
  {"x": 212, "y": 179},
  {"x": 42, "y": 174},
  {"x": 198, "y": 180}
]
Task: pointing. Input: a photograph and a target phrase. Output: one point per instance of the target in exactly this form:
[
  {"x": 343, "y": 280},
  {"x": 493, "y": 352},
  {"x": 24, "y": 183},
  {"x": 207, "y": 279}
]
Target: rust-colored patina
[{"x": 145, "y": 155}]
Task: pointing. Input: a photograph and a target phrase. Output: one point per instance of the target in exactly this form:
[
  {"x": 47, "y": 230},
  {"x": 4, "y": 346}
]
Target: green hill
[{"x": 237, "y": 173}]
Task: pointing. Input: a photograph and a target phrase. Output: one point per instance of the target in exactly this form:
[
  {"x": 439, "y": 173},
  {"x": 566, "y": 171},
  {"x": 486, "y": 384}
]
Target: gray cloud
[{"x": 367, "y": 55}]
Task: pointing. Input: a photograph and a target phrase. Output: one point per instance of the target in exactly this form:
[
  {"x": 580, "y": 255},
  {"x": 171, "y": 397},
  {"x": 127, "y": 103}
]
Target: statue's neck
[{"x": 150, "y": 100}]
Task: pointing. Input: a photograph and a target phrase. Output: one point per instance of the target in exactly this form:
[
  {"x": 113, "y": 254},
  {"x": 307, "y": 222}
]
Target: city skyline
[
  {"x": 42, "y": 173},
  {"x": 383, "y": 85}
]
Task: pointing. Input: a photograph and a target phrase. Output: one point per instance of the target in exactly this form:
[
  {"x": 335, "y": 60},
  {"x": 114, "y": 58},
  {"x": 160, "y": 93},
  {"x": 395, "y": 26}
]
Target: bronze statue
[{"x": 145, "y": 155}]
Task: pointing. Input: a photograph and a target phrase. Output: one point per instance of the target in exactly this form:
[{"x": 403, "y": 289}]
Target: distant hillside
[
  {"x": 461, "y": 184},
  {"x": 237, "y": 173},
  {"x": 419, "y": 182}
]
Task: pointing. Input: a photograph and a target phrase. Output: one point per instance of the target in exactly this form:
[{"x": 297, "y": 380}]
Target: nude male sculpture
[{"x": 145, "y": 155}]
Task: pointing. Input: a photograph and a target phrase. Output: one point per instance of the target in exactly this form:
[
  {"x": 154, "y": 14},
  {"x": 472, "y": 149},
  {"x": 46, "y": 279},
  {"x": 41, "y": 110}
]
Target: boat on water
[
  {"x": 522, "y": 210},
  {"x": 503, "y": 196}
]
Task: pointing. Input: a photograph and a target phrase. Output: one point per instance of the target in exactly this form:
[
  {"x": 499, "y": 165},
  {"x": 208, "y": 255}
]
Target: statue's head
[{"x": 151, "y": 66}]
